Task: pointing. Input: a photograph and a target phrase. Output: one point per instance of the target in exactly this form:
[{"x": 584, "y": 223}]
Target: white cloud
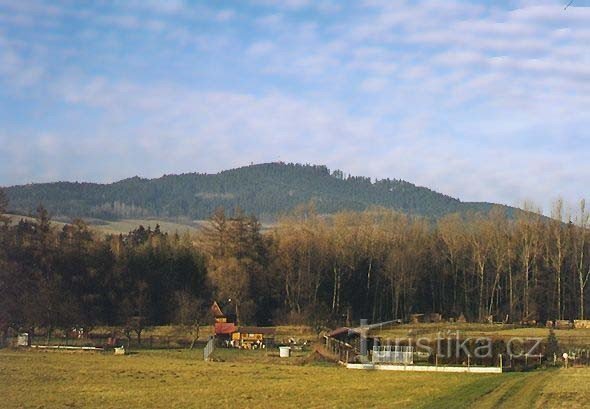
[
  {"x": 374, "y": 84},
  {"x": 225, "y": 15},
  {"x": 261, "y": 48},
  {"x": 448, "y": 94}
]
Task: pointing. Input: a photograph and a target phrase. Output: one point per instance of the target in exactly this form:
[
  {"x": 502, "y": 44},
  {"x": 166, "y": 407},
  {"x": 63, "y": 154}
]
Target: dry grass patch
[
  {"x": 568, "y": 388},
  {"x": 151, "y": 379}
]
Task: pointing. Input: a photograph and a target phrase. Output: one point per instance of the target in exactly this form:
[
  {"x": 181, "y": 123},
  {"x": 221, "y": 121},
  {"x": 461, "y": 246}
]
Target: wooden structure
[
  {"x": 358, "y": 345},
  {"x": 252, "y": 337},
  {"x": 225, "y": 322},
  {"x": 228, "y": 333},
  {"x": 343, "y": 342}
]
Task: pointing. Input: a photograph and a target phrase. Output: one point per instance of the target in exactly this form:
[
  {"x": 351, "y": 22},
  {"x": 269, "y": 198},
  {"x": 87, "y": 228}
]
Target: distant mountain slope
[{"x": 266, "y": 190}]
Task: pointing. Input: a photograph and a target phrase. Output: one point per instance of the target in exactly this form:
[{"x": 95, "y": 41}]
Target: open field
[
  {"x": 124, "y": 226},
  {"x": 180, "y": 378},
  {"x": 565, "y": 336}
]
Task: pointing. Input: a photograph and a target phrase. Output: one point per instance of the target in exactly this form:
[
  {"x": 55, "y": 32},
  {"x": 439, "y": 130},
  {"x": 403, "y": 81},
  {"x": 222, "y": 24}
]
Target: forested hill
[{"x": 265, "y": 190}]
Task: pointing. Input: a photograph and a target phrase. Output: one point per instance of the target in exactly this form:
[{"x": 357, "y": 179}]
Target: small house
[{"x": 229, "y": 333}]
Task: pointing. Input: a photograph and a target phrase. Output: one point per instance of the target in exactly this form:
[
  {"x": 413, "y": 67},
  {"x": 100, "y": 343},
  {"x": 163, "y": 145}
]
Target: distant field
[
  {"x": 249, "y": 379},
  {"x": 565, "y": 336},
  {"x": 126, "y": 225}
]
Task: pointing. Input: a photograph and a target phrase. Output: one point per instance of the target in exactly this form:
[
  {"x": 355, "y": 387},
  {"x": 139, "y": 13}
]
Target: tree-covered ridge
[{"x": 266, "y": 190}]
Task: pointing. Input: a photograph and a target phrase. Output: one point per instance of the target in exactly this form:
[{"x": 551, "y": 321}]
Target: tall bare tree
[{"x": 582, "y": 267}]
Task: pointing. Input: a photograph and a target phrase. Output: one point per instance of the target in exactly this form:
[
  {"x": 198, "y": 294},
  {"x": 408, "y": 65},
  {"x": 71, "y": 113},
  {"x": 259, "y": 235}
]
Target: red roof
[
  {"x": 216, "y": 311},
  {"x": 225, "y": 328}
]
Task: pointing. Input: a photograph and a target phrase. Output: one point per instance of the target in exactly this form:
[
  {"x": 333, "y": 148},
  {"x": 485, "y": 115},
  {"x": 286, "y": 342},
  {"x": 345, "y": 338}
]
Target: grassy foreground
[{"x": 179, "y": 378}]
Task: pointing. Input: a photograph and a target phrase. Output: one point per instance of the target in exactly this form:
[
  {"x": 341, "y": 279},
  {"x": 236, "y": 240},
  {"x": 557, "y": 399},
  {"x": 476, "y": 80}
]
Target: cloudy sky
[{"x": 481, "y": 100}]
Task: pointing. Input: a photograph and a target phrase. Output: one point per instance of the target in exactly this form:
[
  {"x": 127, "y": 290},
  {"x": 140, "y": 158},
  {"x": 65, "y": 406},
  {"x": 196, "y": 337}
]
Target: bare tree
[
  {"x": 190, "y": 314},
  {"x": 582, "y": 268},
  {"x": 528, "y": 241},
  {"x": 480, "y": 249},
  {"x": 556, "y": 252},
  {"x": 451, "y": 232}
]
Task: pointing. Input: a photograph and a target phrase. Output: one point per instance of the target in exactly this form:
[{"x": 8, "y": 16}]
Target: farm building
[
  {"x": 350, "y": 343},
  {"x": 228, "y": 332}
]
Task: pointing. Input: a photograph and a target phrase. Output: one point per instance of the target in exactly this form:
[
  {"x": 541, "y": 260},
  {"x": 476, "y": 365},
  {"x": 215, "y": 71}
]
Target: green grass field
[{"x": 249, "y": 379}]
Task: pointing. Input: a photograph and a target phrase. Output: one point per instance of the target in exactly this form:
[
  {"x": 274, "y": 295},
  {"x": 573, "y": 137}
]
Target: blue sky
[{"x": 481, "y": 100}]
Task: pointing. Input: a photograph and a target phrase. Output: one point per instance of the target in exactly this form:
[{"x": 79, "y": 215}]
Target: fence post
[{"x": 209, "y": 349}]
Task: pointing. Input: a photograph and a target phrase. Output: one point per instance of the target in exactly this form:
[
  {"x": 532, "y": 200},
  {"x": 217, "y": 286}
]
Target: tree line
[
  {"x": 380, "y": 264},
  {"x": 307, "y": 268}
]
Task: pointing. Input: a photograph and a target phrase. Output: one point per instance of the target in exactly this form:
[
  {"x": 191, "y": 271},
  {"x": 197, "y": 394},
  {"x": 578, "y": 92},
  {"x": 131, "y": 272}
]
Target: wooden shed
[{"x": 253, "y": 337}]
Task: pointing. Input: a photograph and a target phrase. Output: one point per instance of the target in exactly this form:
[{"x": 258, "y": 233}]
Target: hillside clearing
[{"x": 124, "y": 226}]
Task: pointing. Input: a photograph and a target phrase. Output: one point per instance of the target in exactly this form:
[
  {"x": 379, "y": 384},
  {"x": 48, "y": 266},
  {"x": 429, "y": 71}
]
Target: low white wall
[
  {"x": 417, "y": 368},
  {"x": 73, "y": 348}
]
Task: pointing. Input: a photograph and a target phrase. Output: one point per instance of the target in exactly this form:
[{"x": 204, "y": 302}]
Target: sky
[{"x": 481, "y": 100}]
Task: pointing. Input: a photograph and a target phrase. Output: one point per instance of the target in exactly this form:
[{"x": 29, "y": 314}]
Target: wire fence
[{"x": 393, "y": 354}]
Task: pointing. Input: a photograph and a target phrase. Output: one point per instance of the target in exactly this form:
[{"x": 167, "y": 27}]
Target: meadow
[
  {"x": 180, "y": 378},
  {"x": 124, "y": 226},
  {"x": 566, "y": 337}
]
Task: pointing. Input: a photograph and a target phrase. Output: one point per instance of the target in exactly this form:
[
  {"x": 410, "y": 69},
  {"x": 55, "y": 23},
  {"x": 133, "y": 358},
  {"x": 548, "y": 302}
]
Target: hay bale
[
  {"x": 582, "y": 324},
  {"x": 563, "y": 324}
]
